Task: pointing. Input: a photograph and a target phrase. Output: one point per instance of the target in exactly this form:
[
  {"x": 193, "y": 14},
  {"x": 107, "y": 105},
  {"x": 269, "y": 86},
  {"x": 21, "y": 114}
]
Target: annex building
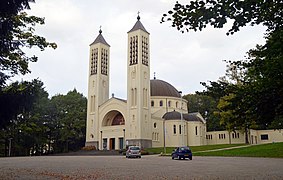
[{"x": 154, "y": 113}]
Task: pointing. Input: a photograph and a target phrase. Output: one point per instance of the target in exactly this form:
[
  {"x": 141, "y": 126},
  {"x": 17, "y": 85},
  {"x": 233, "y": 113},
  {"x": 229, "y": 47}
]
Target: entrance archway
[{"x": 113, "y": 118}]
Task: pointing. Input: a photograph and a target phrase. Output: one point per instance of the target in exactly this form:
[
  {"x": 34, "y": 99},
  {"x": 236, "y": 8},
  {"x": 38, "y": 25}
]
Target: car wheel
[
  {"x": 179, "y": 157},
  {"x": 191, "y": 158},
  {"x": 172, "y": 157}
]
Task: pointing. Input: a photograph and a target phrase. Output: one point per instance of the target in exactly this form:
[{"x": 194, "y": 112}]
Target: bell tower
[
  {"x": 138, "y": 87},
  {"x": 98, "y": 86}
]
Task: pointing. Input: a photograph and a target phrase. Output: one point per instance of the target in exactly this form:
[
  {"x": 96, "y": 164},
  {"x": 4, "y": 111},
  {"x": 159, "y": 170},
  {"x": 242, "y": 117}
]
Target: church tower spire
[
  {"x": 138, "y": 87},
  {"x": 98, "y": 86}
]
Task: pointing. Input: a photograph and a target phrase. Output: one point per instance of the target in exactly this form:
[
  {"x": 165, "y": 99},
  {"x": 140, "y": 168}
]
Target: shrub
[{"x": 89, "y": 148}]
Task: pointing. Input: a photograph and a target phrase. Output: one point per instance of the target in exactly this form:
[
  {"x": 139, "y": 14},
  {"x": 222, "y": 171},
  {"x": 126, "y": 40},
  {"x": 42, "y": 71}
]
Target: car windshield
[
  {"x": 135, "y": 148},
  {"x": 184, "y": 148}
]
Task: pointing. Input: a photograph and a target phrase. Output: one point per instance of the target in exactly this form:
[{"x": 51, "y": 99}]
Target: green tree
[
  {"x": 206, "y": 106},
  {"x": 17, "y": 33},
  {"x": 250, "y": 95},
  {"x": 196, "y": 15},
  {"x": 70, "y": 118},
  {"x": 18, "y": 120},
  {"x": 263, "y": 81}
]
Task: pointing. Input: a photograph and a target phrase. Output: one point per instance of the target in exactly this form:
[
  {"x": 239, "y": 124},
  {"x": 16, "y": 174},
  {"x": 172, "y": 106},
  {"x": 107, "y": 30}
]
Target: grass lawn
[
  {"x": 194, "y": 148},
  {"x": 273, "y": 150}
]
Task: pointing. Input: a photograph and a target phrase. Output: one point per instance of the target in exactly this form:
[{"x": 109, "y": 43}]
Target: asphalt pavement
[{"x": 148, "y": 167}]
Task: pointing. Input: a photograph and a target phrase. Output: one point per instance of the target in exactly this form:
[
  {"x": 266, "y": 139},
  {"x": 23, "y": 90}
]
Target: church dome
[{"x": 162, "y": 88}]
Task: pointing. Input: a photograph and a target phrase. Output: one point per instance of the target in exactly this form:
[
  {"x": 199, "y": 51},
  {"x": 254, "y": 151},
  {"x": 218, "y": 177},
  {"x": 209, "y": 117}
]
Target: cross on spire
[
  {"x": 138, "y": 16},
  {"x": 100, "y": 31}
]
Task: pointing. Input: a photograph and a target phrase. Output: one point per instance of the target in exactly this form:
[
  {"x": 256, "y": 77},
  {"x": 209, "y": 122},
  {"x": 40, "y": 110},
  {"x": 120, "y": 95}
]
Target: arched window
[
  {"x": 176, "y": 104},
  {"x": 174, "y": 129},
  {"x": 161, "y": 103},
  {"x": 180, "y": 129},
  {"x": 154, "y": 125},
  {"x": 152, "y": 103},
  {"x": 118, "y": 120},
  {"x": 169, "y": 103}
]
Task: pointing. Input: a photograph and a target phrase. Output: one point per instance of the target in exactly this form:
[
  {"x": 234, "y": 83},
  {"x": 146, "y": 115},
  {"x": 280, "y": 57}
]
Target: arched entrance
[
  {"x": 113, "y": 118},
  {"x": 113, "y": 134}
]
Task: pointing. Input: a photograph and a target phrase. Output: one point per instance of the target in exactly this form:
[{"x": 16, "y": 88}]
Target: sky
[{"x": 183, "y": 60}]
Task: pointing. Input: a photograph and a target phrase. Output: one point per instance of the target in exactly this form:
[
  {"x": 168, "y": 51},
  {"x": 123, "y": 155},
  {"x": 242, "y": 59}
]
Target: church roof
[
  {"x": 162, "y": 88},
  {"x": 100, "y": 39},
  {"x": 138, "y": 26},
  {"x": 174, "y": 115}
]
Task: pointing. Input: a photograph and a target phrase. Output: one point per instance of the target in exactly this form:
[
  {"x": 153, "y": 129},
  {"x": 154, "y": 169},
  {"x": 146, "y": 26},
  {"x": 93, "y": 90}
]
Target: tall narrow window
[
  {"x": 180, "y": 129},
  {"x": 133, "y": 50},
  {"x": 104, "y": 61},
  {"x": 93, "y": 61},
  {"x": 174, "y": 129},
  {"x": 132, "y": 97},
  {"x": 92, "y": 103},
  {"x": 169, "y": 103},
  {"x": 161, "y": 103},
  {"x": 157, "y": 138},
  {"x": 152, "y": 103},
  {"x": 135, "y": 101},
  {"x": 144, "y": 97},
  {"x": 196, "y": 130},
  {"x": 144, "y": 51}
]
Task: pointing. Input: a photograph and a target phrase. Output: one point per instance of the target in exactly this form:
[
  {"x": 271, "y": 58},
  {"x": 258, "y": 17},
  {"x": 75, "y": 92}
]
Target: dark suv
[{"x": 182, "y": 152}]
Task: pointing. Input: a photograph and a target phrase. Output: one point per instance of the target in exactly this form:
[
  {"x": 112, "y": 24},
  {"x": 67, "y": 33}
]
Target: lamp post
[
  {"x": 10, "y": 145},
  {"x": 164, "y": 130},
  {"x": 101, "y": 140},
  {"x": 182, "y": 124},
  {"x": 124, "y": 140},
  {"x": 164, "y": 136}
]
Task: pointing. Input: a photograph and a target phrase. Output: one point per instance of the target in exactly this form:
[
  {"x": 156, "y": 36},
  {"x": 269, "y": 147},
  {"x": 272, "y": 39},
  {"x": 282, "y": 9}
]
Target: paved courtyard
[{"x": 148, "y": 167}]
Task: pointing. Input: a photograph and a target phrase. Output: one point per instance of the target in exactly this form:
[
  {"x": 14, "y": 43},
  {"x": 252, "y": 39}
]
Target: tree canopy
[
  {"x": 38, "y": 125},
  {"x": 17, "y": 31},
  {"x": 250, "y": 94},
  {"x": 198, "y": 14}
]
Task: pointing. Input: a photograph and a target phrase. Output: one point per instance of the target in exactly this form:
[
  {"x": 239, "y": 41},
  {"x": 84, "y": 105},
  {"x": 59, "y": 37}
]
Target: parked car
[
  {"x": 133, "y": 151},
  {"x": 182, "y": 153}
]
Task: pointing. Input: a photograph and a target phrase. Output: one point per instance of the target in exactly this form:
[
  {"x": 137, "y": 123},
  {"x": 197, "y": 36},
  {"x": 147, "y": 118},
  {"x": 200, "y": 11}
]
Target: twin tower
[{"x": 114, "y": 123}]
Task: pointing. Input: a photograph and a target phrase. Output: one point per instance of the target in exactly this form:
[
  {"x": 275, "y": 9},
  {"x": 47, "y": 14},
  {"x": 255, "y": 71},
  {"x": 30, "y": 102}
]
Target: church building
[{"x": 154, "y": 113}]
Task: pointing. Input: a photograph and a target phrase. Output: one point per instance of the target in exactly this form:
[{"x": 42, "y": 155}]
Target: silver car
[{"x": 133, "y": 151}]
